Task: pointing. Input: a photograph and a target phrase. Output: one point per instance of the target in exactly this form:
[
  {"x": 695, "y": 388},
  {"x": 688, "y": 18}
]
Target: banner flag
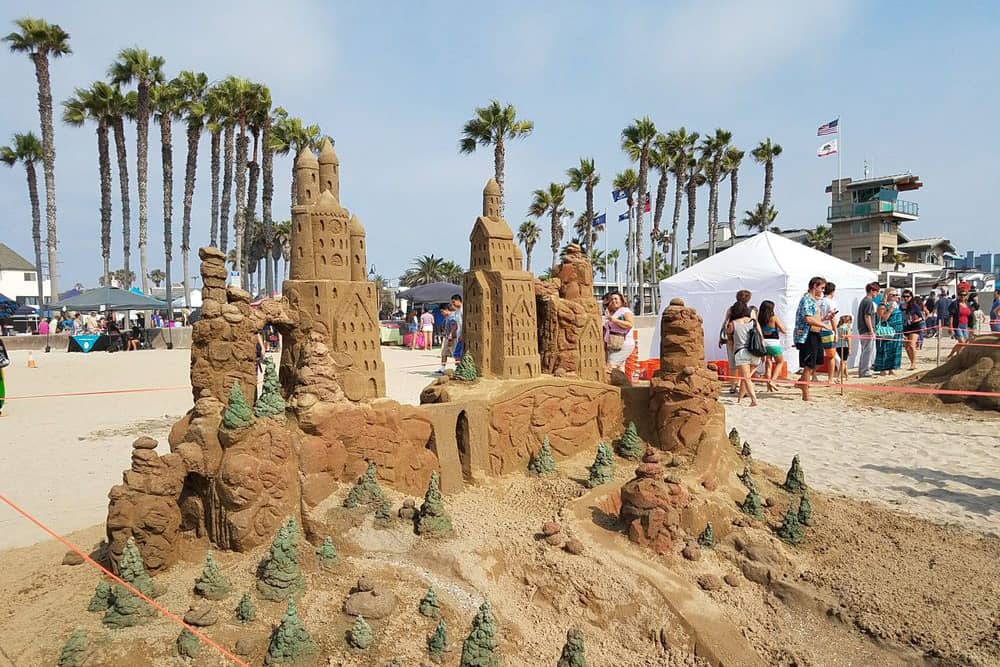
[
  {"x": 829, "y": 148},
  {"x": 833, "y": 127},
  {"x": 599, "y": 220}
]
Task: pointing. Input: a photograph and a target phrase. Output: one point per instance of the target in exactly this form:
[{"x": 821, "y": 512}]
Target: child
[{"x": 843, "y": 345}]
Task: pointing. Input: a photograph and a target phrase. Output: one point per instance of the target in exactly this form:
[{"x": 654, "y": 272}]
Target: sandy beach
[{"x": 60, "y": 453}]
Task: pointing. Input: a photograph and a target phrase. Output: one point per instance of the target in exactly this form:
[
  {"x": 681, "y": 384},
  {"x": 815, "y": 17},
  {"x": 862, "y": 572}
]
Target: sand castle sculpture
[
  {"x": 500, "y": 324},
  {"x": 569, "y": 319},
  {"x": 237, "y": 469}
]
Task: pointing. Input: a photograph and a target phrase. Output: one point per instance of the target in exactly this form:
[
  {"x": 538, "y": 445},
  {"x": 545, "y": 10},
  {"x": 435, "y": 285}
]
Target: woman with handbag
[
  {"x": 748, "y": 349},
  {"x": 619, "y": 340},
  {"x": 4, "y": 362}
]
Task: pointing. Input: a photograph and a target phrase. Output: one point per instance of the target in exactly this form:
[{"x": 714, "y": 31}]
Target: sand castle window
[
  {"x": 322, "y": 244},
  {"x": 329, "y": 185},
  {"x": 299, "y": 225},
  {"x": 313, "y": 177},
  {"x": 309, "y": 194},
  {"x": 322, "y": 225},
  {"x": 300, "y": 252},
  {"x": 322, "y": 258},
  {"x": 316, "y": 291}
]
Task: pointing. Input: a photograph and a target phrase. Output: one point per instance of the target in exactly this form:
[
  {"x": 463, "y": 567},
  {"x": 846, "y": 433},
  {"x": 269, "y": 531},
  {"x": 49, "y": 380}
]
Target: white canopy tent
[{"x": 771, "y": 267}]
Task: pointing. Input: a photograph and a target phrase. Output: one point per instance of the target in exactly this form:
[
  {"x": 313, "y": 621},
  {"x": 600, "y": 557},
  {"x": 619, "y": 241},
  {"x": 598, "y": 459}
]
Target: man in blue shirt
[
  {"x": 449, "y": 336},
  {"x": 808, "y": 325}
]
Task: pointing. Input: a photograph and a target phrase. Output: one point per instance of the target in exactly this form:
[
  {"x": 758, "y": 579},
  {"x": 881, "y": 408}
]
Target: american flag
[{"x": 828, "y": 128}]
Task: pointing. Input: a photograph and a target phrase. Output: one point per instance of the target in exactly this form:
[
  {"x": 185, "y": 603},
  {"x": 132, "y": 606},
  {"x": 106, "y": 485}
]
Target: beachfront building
[
  {"x": 979, "y": 261},
  {"x": 19, "y": 278},
  {"x": 936, "y": 251},
  {"x": 865, "y": 217}
]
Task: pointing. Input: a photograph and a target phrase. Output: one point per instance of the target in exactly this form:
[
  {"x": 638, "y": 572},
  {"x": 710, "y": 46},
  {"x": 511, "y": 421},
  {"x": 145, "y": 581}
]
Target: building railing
[{"x": 869, "y": 208}]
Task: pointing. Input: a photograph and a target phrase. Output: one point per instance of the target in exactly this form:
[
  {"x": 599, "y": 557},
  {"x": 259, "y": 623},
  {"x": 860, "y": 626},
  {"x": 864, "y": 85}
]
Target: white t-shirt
[{"x": 827, "y": 306}]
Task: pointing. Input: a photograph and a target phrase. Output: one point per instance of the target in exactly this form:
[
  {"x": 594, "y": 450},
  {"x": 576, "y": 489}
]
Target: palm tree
[
  {"x": 713, "y": 149},
  {"x": 41, "y": 39},
  {"x": 492, "y": 126},
  {"x": 527, "y": 235},
  {"x": 452, "y": 272},
  {"x": 759, "y": 219},
  {"x": 731, "y": 165},
  {"x": 681, "y": 145},
  {"x": 157, "y": 276},
  {"x": 97, "y": 103},
  {"x": 122, "y": 106},
  {"x": 27, "y": 149},
  {"x": 611, "y": 257},
  {"x": 819, "y": 238},
  {"x": 259, "y": 113},
  {"x": 637, "y": 140},
  {"x": 281, "y": 244},
  {"x": 766, "y": 153},
  {"x": 216, "y": 113},
  {"x": 220, "y": 108},
  {"x": 898, "y": 260},
  {"x": 241, "y": 98},
  {"x": 191, "y": 89},
  {"x": 550, "y": 202},
  {"x": 425, "y": 270},
  {"x": 661, "y": 159},
  {"x": 136, "y": 65},
  {"x": 289, "y": 135},
  {"x": 628, "y": 181},
  {"x": 598, "y": 262},
  {"x": 167, "y": 105},
  {"x": 585, "y": 176},
  {"x": 695, "y": 179}
]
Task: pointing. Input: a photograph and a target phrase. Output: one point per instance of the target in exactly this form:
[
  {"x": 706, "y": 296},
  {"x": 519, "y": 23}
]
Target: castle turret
[
  {"x": 329, "y": 169},
  {"x": 306, "y": 190},
  {"x": 359, "y": 261},
  {"x": 491, "y": 199},
  {"x": 306, "y": 177}
]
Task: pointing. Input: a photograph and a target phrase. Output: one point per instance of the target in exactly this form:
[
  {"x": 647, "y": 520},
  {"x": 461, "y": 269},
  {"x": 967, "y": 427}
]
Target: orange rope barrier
[
  {"x": 173, "y": 617},
  {"x": 866, "y": 387}
]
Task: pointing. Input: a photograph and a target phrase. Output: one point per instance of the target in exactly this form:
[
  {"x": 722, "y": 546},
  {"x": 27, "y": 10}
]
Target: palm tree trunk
[
  {"x": 692, "y": 193},
  {"x": 768, "y": 179},
  {"x": 640, "y": 269},
  {"x": 190, "y": 172},
  {"x": 142, "y": 173},
  {"x": 227, "y": 188},
  {"x": 167, "y": 159},
  {"x": 675, "y": 223},
  {"x": 36, "y": 231},
  {"x": 589, "y": 242},
  {"x": 556, "y": 230},
  {"x": 528, "y": 247},
  {"x": 119, "y": 127},
  {"x": 661, "y": 195},
  {"x": 239, "y": 221},
  {"x": 213, "y": 238},
  {"x": 251, "y": 204},
  {"x": 267, "y": 166},
  {"x": 713, "y": 207},
  {"x": 104, "y": 158},
  {"x": 498, "y": 167},
  {"x": 733, "y": 192},
  {"x": 41, "y": 60},
  {"x": 295, "y": 183}
]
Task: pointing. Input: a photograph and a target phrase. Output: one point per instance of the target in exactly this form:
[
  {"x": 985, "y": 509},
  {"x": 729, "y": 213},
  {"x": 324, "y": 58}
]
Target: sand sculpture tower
[
  {"x": 328, "y": 285},
  {"x": 500, "y": 329}
]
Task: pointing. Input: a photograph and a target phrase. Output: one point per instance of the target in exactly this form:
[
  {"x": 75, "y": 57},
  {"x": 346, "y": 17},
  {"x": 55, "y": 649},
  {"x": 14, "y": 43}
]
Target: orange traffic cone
[{"x": 31, "y": 361}]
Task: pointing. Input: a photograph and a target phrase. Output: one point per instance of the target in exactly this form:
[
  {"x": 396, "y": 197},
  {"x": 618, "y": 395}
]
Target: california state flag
[{"x": 829, "y": 148}]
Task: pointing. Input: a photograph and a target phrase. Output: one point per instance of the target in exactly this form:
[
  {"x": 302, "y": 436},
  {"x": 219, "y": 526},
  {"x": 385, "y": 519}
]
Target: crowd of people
[
  {"x": 443, "y": 323},
  {"x": 888, "y": 324}
]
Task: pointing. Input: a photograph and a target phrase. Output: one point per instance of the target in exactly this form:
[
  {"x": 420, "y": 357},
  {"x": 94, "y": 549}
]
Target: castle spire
[
  {"x": 306, "y": 177},
  {"x": 491, "y": 199},
  {"x": 329, "y": 168}
]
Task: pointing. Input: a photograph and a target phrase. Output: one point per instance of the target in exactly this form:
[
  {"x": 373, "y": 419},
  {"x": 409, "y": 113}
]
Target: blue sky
[{"x": 913, "y": 84}]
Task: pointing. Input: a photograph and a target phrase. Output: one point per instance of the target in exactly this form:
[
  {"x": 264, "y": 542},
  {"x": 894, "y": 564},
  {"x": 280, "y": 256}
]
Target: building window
[
  {"x": 888, "y": 253},
  {"x": 860, "y": 227},
  {"x": 29, "y": 276},
  {"x": 861, "y": 255},
  {"x": 887, "y": 228}
]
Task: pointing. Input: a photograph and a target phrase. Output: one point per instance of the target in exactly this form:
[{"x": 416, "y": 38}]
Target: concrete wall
[{"x": 180, "y": 336}]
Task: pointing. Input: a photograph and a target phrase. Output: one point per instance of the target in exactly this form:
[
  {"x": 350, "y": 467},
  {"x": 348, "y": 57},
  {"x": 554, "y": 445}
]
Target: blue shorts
[{"x": 962, "y": 332}]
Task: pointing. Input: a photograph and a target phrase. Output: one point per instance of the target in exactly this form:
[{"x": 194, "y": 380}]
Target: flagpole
[
  {"x": 607, "y": 281},
  {"x": 840, "y": 150}
]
